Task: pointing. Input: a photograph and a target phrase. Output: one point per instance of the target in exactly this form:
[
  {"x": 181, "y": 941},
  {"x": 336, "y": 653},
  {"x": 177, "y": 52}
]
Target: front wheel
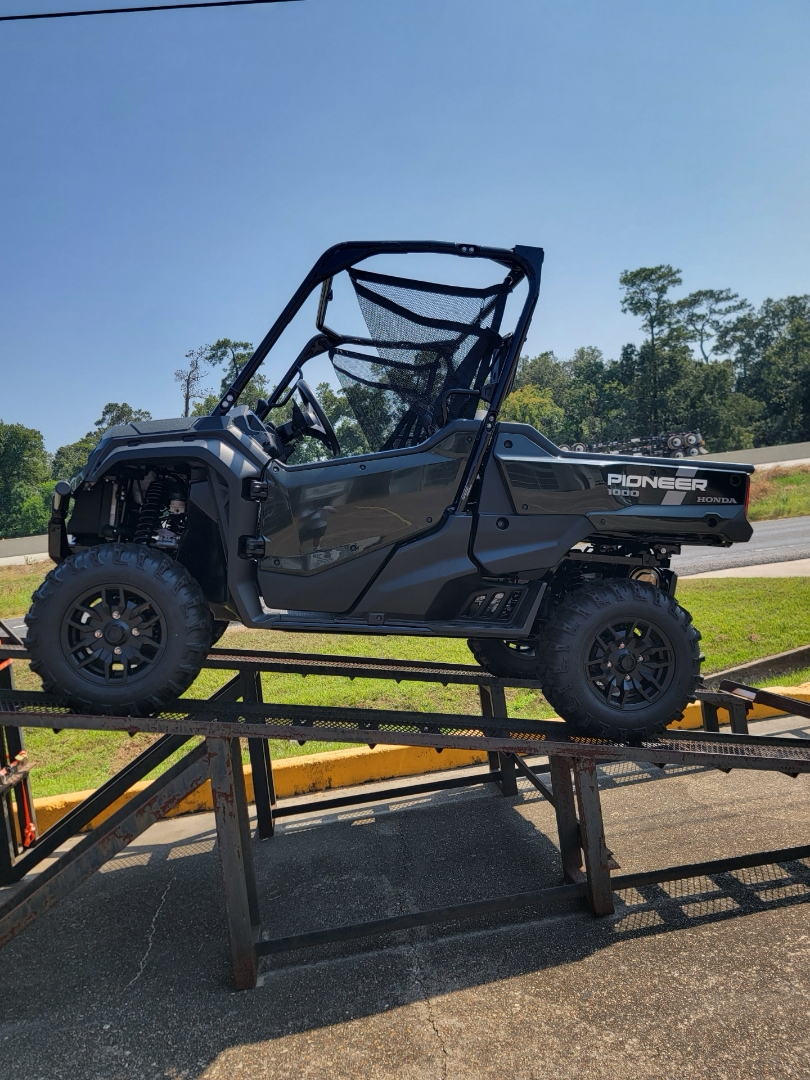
[
  {"x": 619, "y": 660},
  {"x": 118, "y": 629}
]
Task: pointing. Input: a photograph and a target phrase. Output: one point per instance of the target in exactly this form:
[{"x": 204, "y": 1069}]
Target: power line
[{"x": 151, "y": 7}]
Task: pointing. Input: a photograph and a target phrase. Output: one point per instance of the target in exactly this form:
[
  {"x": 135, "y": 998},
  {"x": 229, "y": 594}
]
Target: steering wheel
[{"x": 312, "y": 420}]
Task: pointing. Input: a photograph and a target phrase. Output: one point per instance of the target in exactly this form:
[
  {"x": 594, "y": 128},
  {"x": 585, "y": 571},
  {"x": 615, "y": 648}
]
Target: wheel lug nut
[
  {"x": 609, "y": 664},
  {"x": 117, "y": 651},
  {"x": 97, "y": 633},
  {"x": 136, "y": 633},
  {"x": 116, "y": 614}
]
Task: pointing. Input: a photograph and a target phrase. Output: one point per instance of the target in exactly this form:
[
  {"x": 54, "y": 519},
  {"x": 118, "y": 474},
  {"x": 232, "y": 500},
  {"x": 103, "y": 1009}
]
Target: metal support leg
[
  {"x": 264, "y": 792},
  {"x": 738, "y": 715},
  {"x": 567, "y": 823},
  {"x": 41, "y": 891},
  {"x": 592, "y": 831},
  {"x": 709, "y": 714},
  {"x": 508, "y": 774},
  {"x": 235, "y": 857},
  {"x": 493, "y": 703},
  {"x": 21, "y": 833}
]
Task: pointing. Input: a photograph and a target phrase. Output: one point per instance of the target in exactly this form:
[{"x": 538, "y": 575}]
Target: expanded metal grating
[
  {"x": 372, "y": 726},
  {"x": 355, "y": 667},
  {"x": 352, "y": 667}
]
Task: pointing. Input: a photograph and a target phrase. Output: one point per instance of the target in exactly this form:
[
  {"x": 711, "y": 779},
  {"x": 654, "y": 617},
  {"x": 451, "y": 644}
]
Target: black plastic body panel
[
  {"x": 417, "y": 572},
  {"x": 638, "y": 497},
  {"x": 90, "y": 509},
  {"x": 229, "y": 452},
  {"x": 336, "y": 590},
  {"x": 201, "y": 552},
  {"x": 319, "y": 516},
  {"x": 688, "y": 524},
  {"x": 526, "y": 545}
]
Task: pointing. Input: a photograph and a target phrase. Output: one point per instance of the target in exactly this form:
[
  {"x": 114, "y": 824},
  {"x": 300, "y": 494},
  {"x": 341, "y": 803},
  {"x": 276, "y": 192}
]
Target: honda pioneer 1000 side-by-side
[{"x": 443, "y": 522}]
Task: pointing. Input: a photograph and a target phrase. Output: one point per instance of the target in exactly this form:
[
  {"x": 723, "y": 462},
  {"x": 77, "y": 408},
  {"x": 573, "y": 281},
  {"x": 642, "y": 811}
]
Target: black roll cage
[{"x": 521, "y": 262}]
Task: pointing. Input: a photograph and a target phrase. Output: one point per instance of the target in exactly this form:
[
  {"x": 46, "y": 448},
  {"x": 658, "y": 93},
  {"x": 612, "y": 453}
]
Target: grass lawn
[
  {"x": 16, "y": 585},
  {"x": 779, "y": 493},
  {"x": 740, "y": 618}
]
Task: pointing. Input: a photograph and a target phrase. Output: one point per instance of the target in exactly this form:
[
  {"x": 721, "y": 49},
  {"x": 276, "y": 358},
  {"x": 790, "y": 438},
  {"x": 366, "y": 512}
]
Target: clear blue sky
[{"x": 167, "y": 179}]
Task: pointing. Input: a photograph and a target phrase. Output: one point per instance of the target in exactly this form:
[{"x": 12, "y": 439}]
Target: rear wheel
[
  {"x": 506, "y": 659},
  {"x": 619, "y": 660},
  {"x": 118, "y": 628}
]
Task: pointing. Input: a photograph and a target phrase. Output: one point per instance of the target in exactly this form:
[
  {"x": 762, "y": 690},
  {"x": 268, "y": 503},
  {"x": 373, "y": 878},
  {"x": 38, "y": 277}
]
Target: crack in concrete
[
  {"x": 416, "y": 965},
  {"x": 420, "y": 982},
  {"x": 149, "y": 939}
]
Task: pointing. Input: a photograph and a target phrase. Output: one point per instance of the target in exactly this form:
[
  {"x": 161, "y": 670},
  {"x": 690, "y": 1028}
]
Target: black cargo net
[{"x": 428, "y": 339}]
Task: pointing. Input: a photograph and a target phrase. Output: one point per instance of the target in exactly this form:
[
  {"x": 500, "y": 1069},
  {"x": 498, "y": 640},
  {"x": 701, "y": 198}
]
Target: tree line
[{"x": 709, "y": 361}]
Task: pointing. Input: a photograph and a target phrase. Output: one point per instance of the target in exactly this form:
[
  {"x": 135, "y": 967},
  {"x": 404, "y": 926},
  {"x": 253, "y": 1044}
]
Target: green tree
[
  {"x": 233, "y": 355},
  {"x": 770, "y": 349},
  {"x": 651, "y": 367},
  {"x": 191, "y": 378},
  {"x": 534, "y": 405},
  {"x": 70, "y": 459},
  {"x": 704, "y": 314},
  {"x": 25, "y": 487}
]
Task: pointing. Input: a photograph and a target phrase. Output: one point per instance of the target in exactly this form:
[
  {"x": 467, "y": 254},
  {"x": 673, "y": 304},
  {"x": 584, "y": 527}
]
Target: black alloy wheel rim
[
  {"x": 630, "y": 664},
  {"x": 113, "y": 635}
]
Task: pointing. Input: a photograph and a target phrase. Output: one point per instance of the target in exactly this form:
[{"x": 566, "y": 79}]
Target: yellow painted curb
[
  {"x": 357, "y": 765},
  {"x": 292, "y": 776}
]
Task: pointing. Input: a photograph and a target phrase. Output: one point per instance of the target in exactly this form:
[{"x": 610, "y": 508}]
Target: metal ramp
[{"x": 568, "y": 780}]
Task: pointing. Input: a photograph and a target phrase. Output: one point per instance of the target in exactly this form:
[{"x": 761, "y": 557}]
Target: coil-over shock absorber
[{"x": 149, "y": 517}]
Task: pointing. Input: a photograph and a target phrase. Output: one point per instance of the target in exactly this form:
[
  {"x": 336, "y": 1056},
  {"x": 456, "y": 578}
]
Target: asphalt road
[{"x": 773, "y": 541}]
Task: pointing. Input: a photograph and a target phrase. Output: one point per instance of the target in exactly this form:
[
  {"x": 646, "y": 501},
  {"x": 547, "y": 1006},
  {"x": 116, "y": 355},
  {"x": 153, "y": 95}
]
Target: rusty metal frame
[{"x": 222, "y": 720}]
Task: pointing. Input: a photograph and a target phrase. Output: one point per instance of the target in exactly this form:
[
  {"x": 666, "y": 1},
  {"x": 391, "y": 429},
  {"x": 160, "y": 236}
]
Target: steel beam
[
  {"x": 264, "y": 793},
  {"x": 532, "y": 777},
  {"x": 538, "y": 898},
  {"x": 493, "y": 703},
  {"x": 235, "y": 858},
  {"x": 42, "y": 891},
  {"x": 592, "y": 834},
  {"x": 76, "y": 819},
  {"x": 567, "y": 821}
]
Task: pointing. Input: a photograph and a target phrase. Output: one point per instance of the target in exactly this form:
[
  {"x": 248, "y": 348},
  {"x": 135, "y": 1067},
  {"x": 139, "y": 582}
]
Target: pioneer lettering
[{"x": 664, "y": 483}]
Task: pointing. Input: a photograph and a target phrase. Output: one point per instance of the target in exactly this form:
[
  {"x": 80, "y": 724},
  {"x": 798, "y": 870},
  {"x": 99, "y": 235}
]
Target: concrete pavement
[
  {"x": 792, "y": 568},
  {"x": 129, "y": 977}
]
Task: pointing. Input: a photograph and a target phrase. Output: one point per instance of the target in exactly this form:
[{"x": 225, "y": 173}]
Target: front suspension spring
[{"x": 149, "y": 517}]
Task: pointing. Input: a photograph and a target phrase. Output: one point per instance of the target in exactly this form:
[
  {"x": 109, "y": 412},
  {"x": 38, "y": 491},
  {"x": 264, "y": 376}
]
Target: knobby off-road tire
[
  {"x": 619, "y": 659},
  {"x": 118, "y": 629},
  {"x": 506, "y": 659}
]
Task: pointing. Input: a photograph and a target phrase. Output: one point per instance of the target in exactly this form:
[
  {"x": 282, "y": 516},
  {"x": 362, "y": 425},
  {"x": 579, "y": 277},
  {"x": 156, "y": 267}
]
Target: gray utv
[{"x": 555, "y": 565}]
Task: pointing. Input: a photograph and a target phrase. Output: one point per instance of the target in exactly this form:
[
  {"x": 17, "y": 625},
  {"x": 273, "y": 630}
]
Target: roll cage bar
[{"x": 520, "y": 261}]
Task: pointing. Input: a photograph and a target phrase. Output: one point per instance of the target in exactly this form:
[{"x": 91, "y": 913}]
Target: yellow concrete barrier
[
  {"x": 293, "y": 776},
  {"x": 308, "y": 773}
]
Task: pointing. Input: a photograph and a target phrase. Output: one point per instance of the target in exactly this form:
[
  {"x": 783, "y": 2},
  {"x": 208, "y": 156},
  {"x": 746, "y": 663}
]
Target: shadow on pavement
[{"x": 132, "y": 971}]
